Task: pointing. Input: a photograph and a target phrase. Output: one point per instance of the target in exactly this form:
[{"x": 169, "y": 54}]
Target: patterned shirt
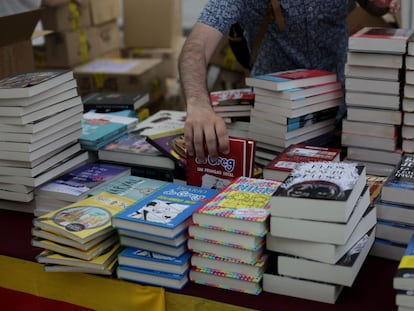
[{"x": 316, "y": 33}]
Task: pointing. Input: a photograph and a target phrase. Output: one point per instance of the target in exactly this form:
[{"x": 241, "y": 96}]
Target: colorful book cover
[
  {"x": 171, "y": 144},
  {"x": 243, "y": 96},
  {"x": 161, "y": 121},
  {"x": 97, "y": 117},
  {"x": 98, "y": 132},
  {"x": 84, "y": 220},
  {"x": 405, "y": 270},
  {"x": 245, "y": 199},
  {"x": 375, "y": 184},
  {"x": 132, "y": 143},
  {"x": 164, "y": 211},
  {"x": 133, "y": 187},
  {"x": 82, "y": 180},
  {"x": 218, "y": 173}
]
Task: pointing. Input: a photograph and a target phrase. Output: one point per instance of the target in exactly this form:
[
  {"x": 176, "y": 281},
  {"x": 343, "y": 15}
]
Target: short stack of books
[
  {"x": 293, "y": 107},
  {"x": 403, "y": 282},
  {"x": 328, "y": 205},
  {"x": 233, "y": 102},
  {"x": 154, "y": 234},
  {"x": 395, "y": 211},
  {"x": 227, "y": 236},
  {"x": 75, "y": 185},
  {"x": 40, "y": 124},
  {"x": 374, "y": 86},
  {"x": 80, "y": 237}
]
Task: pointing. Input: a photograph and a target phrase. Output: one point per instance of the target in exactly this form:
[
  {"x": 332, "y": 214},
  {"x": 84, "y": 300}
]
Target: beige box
[
  {"x": 103, "y": 11},
  {"x": 71, "y": 48},
  {"x": 108, "y": 36},
  {"x": 16, "y": 51},
  {"x": 121, "y": 75},
  {"x": 152, "y": 23},
  {"x": 67, "y": 17}
]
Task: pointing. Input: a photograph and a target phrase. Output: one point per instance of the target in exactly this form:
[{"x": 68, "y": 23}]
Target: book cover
[
  {"x": 243, "y": 96},
  {"x": 322, "y": 190},
  {"x": 404, "y": 276},
  {"x": 399, "y": 186},
  {"x": 171, "y": 144},
  {"x": 112, "y": 117},
  {"x": 241, "y": 207},
  {"x": 143, "y": 259},
  {"x": 161, "y": 121},
  {"x": 133, "y": 187},
  {"x": 165, "y": 211},
  {"x": 103, "y": 101},
  {"x": 28, "y": 84},
  {"x": 79, "y": 182},
  {"x": 84, "y": 220},
  {"x": 284, "y": 80},
  {"x": 283, "y": 163},
  {"x": 218, "y": 173}
]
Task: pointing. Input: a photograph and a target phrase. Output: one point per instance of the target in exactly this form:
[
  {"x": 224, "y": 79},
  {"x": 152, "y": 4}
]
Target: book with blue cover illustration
[{"x": 166, "y": 211}]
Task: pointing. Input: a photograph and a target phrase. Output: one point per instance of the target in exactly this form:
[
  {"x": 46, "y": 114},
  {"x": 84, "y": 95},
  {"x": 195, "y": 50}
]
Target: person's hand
[
  {"x": 205, "y": 131},
  {"x": 393, "y": 5}
]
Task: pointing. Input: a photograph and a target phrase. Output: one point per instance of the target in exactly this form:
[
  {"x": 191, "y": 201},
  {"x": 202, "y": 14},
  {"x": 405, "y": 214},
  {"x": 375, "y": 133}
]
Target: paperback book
[
  {"x": 161, "y": 121},
  {"x": 165, "y": 212},
  {"x": 232, "y": 97},
  {"x": 97, "y": 117},
  {"x": 104, "y": 101},
  {"x": 323, "y": 190},
  {"x": 404, "y": 276}
]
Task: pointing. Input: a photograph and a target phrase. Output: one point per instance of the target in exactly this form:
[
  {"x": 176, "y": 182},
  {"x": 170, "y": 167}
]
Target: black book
[{"x": 102, "y": 101}]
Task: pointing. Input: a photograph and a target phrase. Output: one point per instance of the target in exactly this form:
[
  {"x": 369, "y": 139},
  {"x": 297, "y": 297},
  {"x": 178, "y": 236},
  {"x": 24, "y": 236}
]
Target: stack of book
[
  {"x": 227, "y": 236},
  {"x": 374, "y": 86},
  {"x": 328, "y": 204},
  {"x": 40, "y": 125},
  {"x": 154, "y": 233},
  {"x": 79, "y": 237},
  {"x": 232, "y": 103},
  {"x": 75, "y": 185},
  {"x": 403, "y": 282},
  {"x": 134, "y": 150},
  {"x": 293, "y": 107},
  {"x": 395, "y": 210},
  {"x": 407, "y": 131}
]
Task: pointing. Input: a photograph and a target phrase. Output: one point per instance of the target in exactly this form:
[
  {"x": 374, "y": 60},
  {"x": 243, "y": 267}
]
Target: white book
[
  {"x": 395, "y": 212},
  {"x": 16, "y": 196},
  {"x": 375, "y": 59},
  {"x": 372, "y": 86},
  {"x": 366, "y": 154},
  {"x": 405, "y": 298},
  {"x": 387, "y": 249},
  {"x": 395, "y": 232},
  {"x": 324, "y": 252},
  {"x": 385, "y": 116},
  {"x": 366, "y": 141},
  {"x": 371, "y": 72},
  {"x": 369, "y": 128},
  {"x": 320, "y": 231},
  {"x": 343, "y": 272},
  {"x": 373, "y": 100}
]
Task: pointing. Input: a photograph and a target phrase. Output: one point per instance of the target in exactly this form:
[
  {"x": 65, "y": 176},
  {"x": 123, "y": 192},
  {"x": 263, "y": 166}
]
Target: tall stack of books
[
  {"x": 395, "y": 210},
  {"x": 227, "y": 236},
  {"x": 40, "y": 124},
  {"x": 80, "y": 237},
  {"x": 403, "y": 282},
  {"x": 407, "y": 131},
  {"x": 328, "y": 205},
  {"x": 374, "y": 83},
  {"x": 154, "y": 234},
  {"x": 293, "y": 107},
  {"x": 75, "y": 185}
]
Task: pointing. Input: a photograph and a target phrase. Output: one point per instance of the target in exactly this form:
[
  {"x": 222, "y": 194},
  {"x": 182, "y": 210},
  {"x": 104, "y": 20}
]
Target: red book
[
  {"x": 217, "y": 174},
  {"x": 280, "y": 167},
  {"x": 243, "y": 96}
]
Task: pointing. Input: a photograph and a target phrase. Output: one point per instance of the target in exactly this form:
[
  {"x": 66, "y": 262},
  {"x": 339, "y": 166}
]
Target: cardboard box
[
  {"x": 169, "y": 66},
  {"x": 103, "y": 11},
  {"x": 67, "y": 17},
  {"x": 16, "y": 51},
  {"x": 109, "y": 37},
  {"x": 121, "y": 75},
  {"x": 152, "y": 23}
]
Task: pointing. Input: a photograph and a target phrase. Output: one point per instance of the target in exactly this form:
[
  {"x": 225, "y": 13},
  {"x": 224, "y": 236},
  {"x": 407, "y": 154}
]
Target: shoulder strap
[{"x": 273, "y": 10}]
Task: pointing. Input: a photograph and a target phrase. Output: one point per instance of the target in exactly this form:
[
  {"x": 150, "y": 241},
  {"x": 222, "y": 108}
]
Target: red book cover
[
  {"x": 219, "y": 173},
  {"x": 303, "y": 74}
]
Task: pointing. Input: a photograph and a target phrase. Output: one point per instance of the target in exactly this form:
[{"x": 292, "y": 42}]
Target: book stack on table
[
  {"x": 374, "y": 86},
  {"x": 328, "y": 205},
  {"x": 232, "y": 103},
  {"x": 395, "y": 212},
  {"x": 154, "y": 234},
  {"x": 294, "y": 107},
  {"x": 75, "y": 185},
  {"x": 80, "y": 237},
  {"x": 40, "y": 123},
  {"x": 227, "y": 236}
]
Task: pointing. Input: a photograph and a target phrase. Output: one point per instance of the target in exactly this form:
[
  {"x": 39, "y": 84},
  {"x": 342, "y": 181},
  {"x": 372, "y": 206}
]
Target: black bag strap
[{"x": 273, "y": 10}]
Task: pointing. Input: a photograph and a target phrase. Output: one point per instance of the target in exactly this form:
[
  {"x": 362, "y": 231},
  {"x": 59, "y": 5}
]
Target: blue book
[
  {"x": 133, "y": 187},
  {"x": 404, "y": 276},
  {"x": 97, "y": 133},
  {"x": 152, "y": 246},
  {"x": 143, "y": 259},
  {"x": 166, "y": 212},
  {"x": 176, "y": 241},
  {"x": 152, "y": 277}
]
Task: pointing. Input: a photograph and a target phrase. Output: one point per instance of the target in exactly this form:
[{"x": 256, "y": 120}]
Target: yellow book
[{"x": 84, "y": 220}]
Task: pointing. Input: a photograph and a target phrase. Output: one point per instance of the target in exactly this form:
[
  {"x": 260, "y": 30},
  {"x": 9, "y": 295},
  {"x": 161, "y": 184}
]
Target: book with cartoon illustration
[
  {"x": 84, "y": 220},
  {"x": 241, "y": 207},
  {"x": 165, "y": 212}
]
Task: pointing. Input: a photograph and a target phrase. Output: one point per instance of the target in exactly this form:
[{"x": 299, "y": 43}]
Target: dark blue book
[{"x": 166, "y": 212}]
